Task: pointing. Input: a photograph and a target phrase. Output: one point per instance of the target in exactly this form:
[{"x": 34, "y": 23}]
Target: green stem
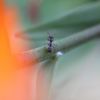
[{"x": 67, "y": 44}]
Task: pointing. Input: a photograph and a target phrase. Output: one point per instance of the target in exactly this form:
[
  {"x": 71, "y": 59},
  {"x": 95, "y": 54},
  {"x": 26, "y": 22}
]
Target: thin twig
[{"x": 67, "y": 44}]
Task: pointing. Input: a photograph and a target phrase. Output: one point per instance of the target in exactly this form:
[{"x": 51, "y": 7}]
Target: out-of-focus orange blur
[{"x": 15, "y": 81}]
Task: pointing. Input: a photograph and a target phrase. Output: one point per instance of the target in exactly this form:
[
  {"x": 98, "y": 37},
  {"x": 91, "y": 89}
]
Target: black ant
[{"x": 50, "y": 43}]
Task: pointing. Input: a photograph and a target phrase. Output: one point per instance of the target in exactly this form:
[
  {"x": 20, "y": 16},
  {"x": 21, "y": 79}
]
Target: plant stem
[{"x": 67, "y": 44}]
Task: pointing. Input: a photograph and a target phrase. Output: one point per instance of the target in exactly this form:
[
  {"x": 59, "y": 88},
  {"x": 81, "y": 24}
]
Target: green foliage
[{"x": 55, "y": 8}]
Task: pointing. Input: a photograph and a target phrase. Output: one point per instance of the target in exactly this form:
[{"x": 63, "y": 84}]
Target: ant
[{"x": 50, "y": 43}]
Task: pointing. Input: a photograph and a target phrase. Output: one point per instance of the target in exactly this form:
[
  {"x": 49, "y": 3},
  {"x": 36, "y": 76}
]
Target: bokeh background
[{"x": 75, "y": 75}]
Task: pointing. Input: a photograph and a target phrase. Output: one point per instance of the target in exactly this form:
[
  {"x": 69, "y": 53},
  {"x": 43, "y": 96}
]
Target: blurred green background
[{"x": 63, "y": 18}]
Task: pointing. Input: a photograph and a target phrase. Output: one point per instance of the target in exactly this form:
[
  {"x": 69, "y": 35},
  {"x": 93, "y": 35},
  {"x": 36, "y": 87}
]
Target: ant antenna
[{"x": 49, "y": 34}]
